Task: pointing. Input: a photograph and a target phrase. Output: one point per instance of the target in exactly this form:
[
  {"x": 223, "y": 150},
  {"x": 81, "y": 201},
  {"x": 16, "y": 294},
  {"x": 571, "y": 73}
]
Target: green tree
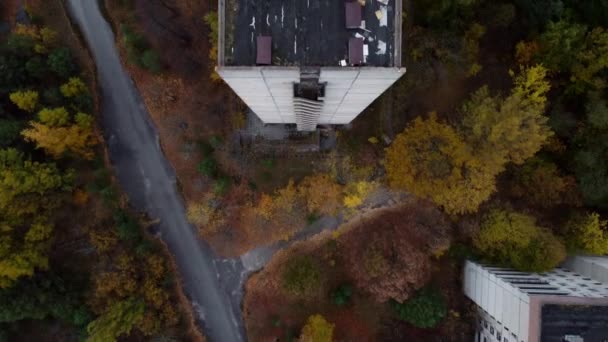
[
  {"x": 588, "y": 72},
  {"x": 425, "y": 310},
  {"x": 597, "y": 111},
  {"x": 44, "y": 295},
  {"x": 587, "y": 233},
  {"x": 513, "y": 239},
  {"x": 118, "y": 320},
  {"x": 61, "y": 62},
  {"x": 301, "y": 275},
  {"x": 590, "y": 147},
  {"x": 571, "y": 48},
  {"x": 431, "y": 160},
  {"x": 317, "y": 329},
  {"x": 36, "y": 67},
  {"x": 9, "y": 132},
  {"x": 560, "y": 44}
]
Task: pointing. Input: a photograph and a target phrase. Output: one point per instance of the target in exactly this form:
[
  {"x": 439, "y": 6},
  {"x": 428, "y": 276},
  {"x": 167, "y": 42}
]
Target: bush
[
  {"x": 128, "y": 228},
  {"x": 342, "y": 295},
  {"x": 208, "y": 167},
  {"x": 222, "y": 185},
  {"x": 301, "y": 275},
  {"x": 425, "y": 310},
  {"x": 151, "y": 61}
]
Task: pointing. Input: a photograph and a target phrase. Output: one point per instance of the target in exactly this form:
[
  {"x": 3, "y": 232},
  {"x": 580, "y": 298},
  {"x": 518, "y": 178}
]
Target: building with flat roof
[
  {"x": 309, "y": 62},
  {"x": 568, "y": 304}
]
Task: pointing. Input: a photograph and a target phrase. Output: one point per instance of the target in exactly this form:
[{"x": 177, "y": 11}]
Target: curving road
[{"x": 213, "y": 285}]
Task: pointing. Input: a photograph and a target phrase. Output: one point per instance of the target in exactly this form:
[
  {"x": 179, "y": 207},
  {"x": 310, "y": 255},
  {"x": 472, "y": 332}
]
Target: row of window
[{"x": 483, "y": 324}]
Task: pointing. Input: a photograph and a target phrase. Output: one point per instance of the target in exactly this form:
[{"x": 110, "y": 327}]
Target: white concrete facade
[
  {"x": 508, "y": 300},
  {"x": 268, "y": 91}
]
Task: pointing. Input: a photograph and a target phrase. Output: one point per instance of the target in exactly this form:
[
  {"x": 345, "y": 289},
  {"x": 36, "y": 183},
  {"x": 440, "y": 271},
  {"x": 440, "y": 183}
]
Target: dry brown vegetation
[{"x": 412, "y": 237}]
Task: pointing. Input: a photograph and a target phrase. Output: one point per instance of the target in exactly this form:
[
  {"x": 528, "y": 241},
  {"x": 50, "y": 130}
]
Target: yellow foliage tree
[
  {"x": 511, "y": 129},
  {"x": 74, "y": 87},
  {"x": 432, "y": 161},
  {"x": 77, "y": 138},
  {"x": 514, "y": 239},
  {"x": 321, "y": 193},
  {"x": 44, "y": 38},
  {"x": 205, "y": 216},
  {"x": 21, "y": 257},
  {"x": 54, "y": 117},
  {"x": 588, "y": 234},
  {"x": 26, "y": 198},
  {"x": 25, "y": 100},
  {"x": 317, "y": 329}
]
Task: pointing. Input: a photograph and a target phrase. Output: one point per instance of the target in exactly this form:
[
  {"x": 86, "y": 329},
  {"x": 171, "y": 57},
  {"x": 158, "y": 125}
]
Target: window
[
  {"x": 506, "y": 339},
  {"x": 485, "y": 339},
  {"x": 485, "y": 324},
  {"x": 498, "y": 336},
  {"x": 492, "y": 331}
]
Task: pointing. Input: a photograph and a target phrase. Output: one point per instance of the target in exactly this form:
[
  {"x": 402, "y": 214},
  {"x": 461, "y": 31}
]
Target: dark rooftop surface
[
  {"x": 588, "y": 322},
  {"x": 306, "y": 32}
]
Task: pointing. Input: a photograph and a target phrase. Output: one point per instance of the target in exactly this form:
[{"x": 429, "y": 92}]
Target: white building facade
[{"x": 510, "y": 302}]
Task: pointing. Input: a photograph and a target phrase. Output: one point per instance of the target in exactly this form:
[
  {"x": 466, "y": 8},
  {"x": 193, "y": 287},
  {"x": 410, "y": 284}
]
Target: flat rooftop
[{"x": 308, "y": 32}]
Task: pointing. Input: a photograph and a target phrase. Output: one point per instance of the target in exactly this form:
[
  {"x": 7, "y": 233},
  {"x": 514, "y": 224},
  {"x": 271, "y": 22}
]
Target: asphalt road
[{"x": 213, "y": 285}]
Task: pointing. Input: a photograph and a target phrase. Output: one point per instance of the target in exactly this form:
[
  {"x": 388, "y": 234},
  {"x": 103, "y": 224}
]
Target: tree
[
  {"x": 591, "y": 62},
  {"x": 206, "y": 215},
  {"x": 25, "y": 185},
  {"x": 301, "y": 275},
  {"x": 322, "y": 194},
  {"x": 61, "y": 62},
  {"x": 426, "y": 309},
  {"x": 596, "y": 109},
  {"x": 74, "y": 87},
  {"x": 560, "y": 44},
  {"x": 431, "y": 160},
  {"x": 542, "y": 184},
  {"x": 587, "y": 233},
  {"x": 317, "y": 329},
  {"x": 572, "y": 48},
  {"x": 393, "y": 259},
  {"x": 514, "y": 239},
  {"x": 511, "y": 129},
  {"x": 54, "y": 117},
  {"x": 25, "y": 100},
  {"x": 118, "y": 320},
  {"x": 56, "y": 138},
  {"x": 26, "y": 196},
  {"x": 590, "y": 147},
  {"x": 44, "y": 295},
  {"x": 9, "y": 132}
]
